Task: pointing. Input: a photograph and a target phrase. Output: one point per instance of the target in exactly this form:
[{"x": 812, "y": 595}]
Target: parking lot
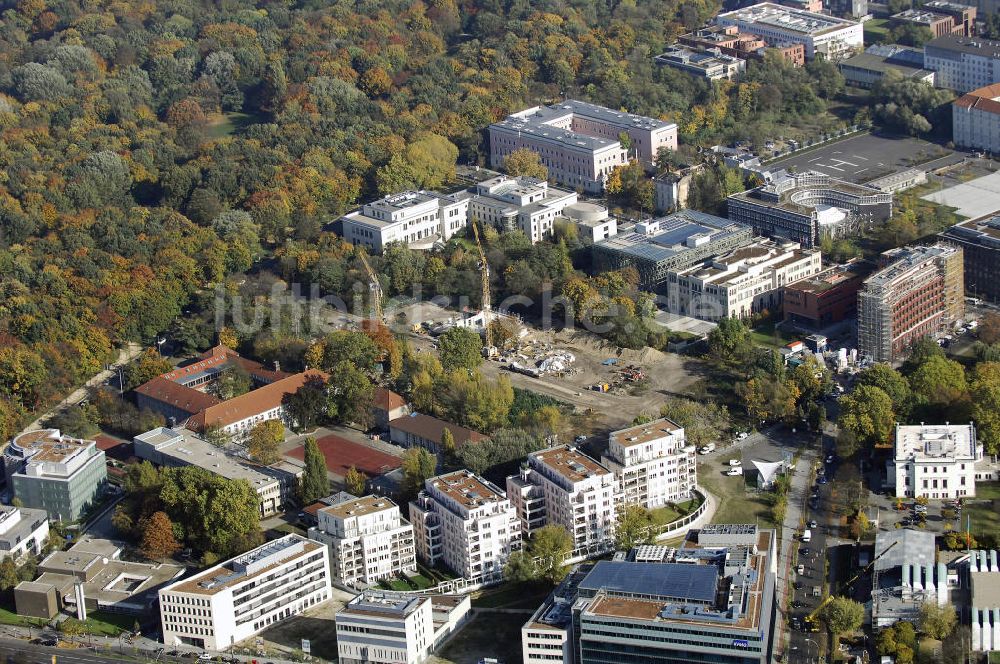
[{"x": 868, "y": 156}]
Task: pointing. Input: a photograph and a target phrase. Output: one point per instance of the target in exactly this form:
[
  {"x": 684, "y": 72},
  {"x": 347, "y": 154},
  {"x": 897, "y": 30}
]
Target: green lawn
[
  {"x": 227, "y": 124},
  {"x": 736, "y": 504},
  {"x": 415, "y": 582},
  {"x": 764, "y": 335},
  {"x": 983, "y": 516},
  {"x": 668, "y": 514},
  {"x": 876, "y": 30},
  {"x": 513, "y": 596},
  {"x": 8, "y": 617},
  {"x": 100, "y": 623}
]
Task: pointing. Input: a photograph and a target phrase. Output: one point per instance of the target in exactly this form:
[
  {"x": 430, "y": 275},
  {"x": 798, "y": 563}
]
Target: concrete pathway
[{"x": 125, "y": 355}]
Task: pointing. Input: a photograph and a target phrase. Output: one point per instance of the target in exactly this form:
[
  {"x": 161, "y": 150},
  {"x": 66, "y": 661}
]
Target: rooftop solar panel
[{"x": 669, "y": 581}]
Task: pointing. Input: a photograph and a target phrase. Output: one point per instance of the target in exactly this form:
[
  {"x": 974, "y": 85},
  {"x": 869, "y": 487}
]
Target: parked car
[
  {"x": 920, "y": 509},
  {"x": 805, "y": 551},
  {"x": 821, "y": 480},
  {"x": 800, "y": 570},
  {"x": 734, "y": 471},
  {"x": 735, "y": 462},
  {"x": 813, "y": 524}
]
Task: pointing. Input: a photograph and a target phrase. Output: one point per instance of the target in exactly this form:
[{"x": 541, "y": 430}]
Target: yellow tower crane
[
  {"x": 374, "y": 285},
  {"x": 484, "y": 269}
]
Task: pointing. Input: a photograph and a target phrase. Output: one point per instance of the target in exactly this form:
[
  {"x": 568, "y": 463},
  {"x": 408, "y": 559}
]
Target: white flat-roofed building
[
  {"x": 181, "y": 447},
  {"x": 378, "y": 627},
  {"x": 578, "y": 141},
  {"x": 975, "y": 119},
  {"x": 578, "y": 492},
  {"x": 653, "y": 462},
  {"x": 963, "y": 64},
  {"x": 935, "y": 461},
  {"x": 230, "y": 602},
  {"x": 741, "y": 282},
  {"x": 524, "y": 203},
  {"x": 711, "y": 64},
  {"x": 465, "y": 522},
  {"x": 834, "y": 38},
  {"x": 53, "y": 472},
  {"x": 23, "y": 531},
  {"x": 368, "y": 538},
  {"x": 418, "y": 219}
]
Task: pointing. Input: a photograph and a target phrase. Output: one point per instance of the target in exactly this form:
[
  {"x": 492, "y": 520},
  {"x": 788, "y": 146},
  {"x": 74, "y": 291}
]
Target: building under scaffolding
[{"x": 668, "y": 244}]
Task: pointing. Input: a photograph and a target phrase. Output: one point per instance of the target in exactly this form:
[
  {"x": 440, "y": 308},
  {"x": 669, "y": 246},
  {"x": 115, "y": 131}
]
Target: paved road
[{"x": 125, "y": 356}]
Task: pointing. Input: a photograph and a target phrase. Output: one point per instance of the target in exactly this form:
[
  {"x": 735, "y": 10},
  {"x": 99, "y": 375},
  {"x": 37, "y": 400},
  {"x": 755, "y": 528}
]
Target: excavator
[{"x": 811, "y": 622}]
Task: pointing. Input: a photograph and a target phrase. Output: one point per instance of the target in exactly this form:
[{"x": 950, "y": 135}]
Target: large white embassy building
[
  {"x": 415, "y": 218},
  {"x": 230, "y": 602},
  {"x": 579, "y": 142},
  {"x": 934, "y": 461},
  {"x": 368, "y": 538}
]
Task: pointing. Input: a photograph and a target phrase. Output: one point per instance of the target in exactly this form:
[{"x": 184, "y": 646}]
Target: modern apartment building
[
  {"x": 578, "y": 141},
  {"x": 578, "y": 494},
  {"x": 980, "y": 243},
  {"x": 710, "y": 64},
  {"x": 23, "y": 531},
  {"x": 975, "y": 119},
  {"x": 741, "y": 282},
  {"x": 369, "y": 540},
  {"x": 710, "y": 600},
  {"x": 180, "y": 447},
  {"x": 417, "y": 219},
  {"x": 826, "y": 298},
  {"x": 834, "y": 38},
  {"x": 962, "y": 63},
  {"x": 660, "y": 246},
  {"x": 379, "y": 627},
  {"x": 934, "y": 461},
  {"x": 653, "y": 463},
  {"x": 234, "y": 600},
  {"x": 523, "y": 203},
  {"x": 466, "y": 522},
  {"x": 49, "y": 471},
  {"x": 807, "y": 206},
  {"x": 919, "y": 293}
]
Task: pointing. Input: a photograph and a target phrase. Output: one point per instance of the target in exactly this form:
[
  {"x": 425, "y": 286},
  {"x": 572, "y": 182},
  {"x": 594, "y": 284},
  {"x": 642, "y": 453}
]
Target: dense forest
[{"x": 149, "y": 151}]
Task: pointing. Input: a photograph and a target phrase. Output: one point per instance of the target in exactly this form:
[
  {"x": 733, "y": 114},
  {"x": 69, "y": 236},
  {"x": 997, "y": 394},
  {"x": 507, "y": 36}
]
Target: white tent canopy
[{"x": 768, "y": 470}]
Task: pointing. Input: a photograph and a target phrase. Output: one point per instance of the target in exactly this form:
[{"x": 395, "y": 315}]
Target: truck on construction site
[{"x": 601, "y": 387}]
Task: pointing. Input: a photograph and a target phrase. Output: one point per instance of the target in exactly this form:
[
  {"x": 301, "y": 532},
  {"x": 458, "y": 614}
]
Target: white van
[
  {"x": 707, "y": 449},
  {"x": 807, "y": 535}
]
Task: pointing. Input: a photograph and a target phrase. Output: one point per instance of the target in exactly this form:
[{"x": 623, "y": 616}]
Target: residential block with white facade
[
  {"x": 653, "y": 462},
  {"x": 578, "y": 141},
  {"x": 368, "y": 538},
  {"x": 23, "y": 531},
  {"x": 466, "y": 522},
  {"x": 578, "y": 494},
  {"x": 230, "y": 602},
  {"x": 393, "y": 628},
  {"x": 415, "y": 218},
  {"x": 975, "y": 119},
  {"x": 741, "y": 282},
  {"x": 935, "y": 461}
]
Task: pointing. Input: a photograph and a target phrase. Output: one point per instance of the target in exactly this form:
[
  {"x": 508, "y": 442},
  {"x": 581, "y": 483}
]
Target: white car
[
  {"x": 741, "y": 435},
  {"x": 734, "y": 471},
  {"x": 735, "y": 462}
]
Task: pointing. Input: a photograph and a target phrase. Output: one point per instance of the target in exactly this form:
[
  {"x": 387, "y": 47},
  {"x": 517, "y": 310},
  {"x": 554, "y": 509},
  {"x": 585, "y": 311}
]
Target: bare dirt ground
[{"x": 667, "y": 374}]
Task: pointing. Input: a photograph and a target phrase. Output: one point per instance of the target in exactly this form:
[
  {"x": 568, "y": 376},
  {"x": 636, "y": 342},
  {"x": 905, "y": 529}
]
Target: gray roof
[
  {"x": 668, "y": 581},
  {"x": 915, "y": 547},
  {"x": 873, "y": 62},
  {"x": 959, "y": 44},
  {"x": 675, "y": 230}
]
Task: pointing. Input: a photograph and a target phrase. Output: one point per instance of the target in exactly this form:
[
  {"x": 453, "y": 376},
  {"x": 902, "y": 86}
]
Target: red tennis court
[{"x": 341, "y": 454}]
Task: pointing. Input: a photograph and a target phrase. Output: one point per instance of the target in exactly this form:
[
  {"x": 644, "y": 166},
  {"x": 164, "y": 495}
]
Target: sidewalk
[{"x": 125, "y": 355}]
